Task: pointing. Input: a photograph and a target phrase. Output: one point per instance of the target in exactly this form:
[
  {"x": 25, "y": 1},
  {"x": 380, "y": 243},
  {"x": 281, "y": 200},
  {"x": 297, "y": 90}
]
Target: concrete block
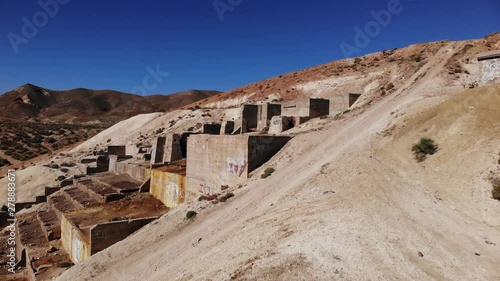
[
  {"x": 265, "y": 113},
  {"x": 168, "y": 184},
  {"x": 116, "y": 150},
  {"x": 167, "y": 149},
  {"x": 250, "y": 112},
  {"x": 227, "y": 128},
  {"x": 341, "y": 103},
  {"x": 311, "y": 108},
  {"x": 216, "y": 161},
  {"x": 280, "y": 124}
]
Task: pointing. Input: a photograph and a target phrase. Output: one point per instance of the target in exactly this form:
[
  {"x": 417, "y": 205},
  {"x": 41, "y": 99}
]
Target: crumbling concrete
[
  {"x": 88, "y": 231},
  {"x": 167, "y": 149},
  {"x": 227, "y": 128},
  {"x": 265, "y": 113},
  {"x": 311, "y": 108},
  {"x": 280, "y": 124},
  {"x": 216, "y": 161},
  {"x": 102, "y": 165},
  {"x": 341, "y": 103},
  {"x": 240, "y": 127},
  {"x": 490, "y": 67}
]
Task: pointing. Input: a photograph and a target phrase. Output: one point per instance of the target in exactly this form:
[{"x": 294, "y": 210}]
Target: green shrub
[
  {"x": 267, "y": 172},
  {"x": 191, "y": 214},
  {"x": 424, "y": 147}
]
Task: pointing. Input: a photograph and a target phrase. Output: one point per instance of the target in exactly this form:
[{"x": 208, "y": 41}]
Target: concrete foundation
[
  {"x": 280, "y": 124},
  {"x": 265, "y": 113},
  {"x": 311, "y": 108},
  {"x": 86, "y": 232},
  {"x": 217, "y": 161}
]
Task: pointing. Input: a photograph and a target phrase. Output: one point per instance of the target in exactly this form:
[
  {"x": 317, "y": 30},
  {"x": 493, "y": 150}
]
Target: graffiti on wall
[
  {"x": 236, "y": 165},
  {"x": 174, "y": 192},
  {"x": 204, "y": 189},
  {"x": 491, "y": 70},
  {"x": 77, "y": 250}
]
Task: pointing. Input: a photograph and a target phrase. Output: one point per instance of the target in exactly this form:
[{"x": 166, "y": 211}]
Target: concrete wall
[
  {"x": 295, "y": 108},
  {"x": 318, "y": 107},
  {"x": 211, "y": 129},
  {"x": 265, "y": 113},
  {"x": 136, "y": 171},
  {"x": 249, "y": 112},
  {"x": 227, "y": 128},
  {"x": 106, "y": 234},
  {"x": 74, "y": 241},
  {"x": 158, "y": 150},
  {"x": 280, "y": 124},
  {"x": 216, "y": 161},
  {"x": 117, "y": 150},
  {"x": 169, "y": 188},
  {"x": 341, "y": 103}
]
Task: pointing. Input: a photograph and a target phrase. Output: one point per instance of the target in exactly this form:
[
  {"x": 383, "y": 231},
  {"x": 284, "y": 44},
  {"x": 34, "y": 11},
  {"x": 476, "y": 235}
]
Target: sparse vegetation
[
  {"x": 4, "y": 162},
  {"x": 268, "y": 172},
  {"x": 65, "y": 264},
  {"x": 225, "y": 197},
  {"x": 495, "y": 192},
  {"x": 424, "y": 147},
  {"x": 191, "y": 214}
]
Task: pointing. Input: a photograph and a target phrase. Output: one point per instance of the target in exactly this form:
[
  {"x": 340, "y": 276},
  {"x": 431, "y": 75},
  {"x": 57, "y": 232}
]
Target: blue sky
[{"x": 109, "y": 44}]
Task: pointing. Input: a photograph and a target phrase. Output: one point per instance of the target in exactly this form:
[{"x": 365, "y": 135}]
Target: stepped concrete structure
[{"x": 217, "y": 161}]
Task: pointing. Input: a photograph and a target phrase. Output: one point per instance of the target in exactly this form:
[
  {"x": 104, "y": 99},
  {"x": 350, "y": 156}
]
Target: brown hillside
[{"x": 85, "y": 105}]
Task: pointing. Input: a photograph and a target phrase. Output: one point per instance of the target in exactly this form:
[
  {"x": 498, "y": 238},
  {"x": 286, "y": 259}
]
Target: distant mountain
[{"x": 30, "y": 102}]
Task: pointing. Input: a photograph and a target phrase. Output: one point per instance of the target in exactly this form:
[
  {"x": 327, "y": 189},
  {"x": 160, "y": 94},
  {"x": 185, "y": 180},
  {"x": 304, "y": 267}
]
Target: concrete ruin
[
  {"x": 227, "y": 128},
  {"x": 168, "y": 183},
  {"x": 265, "y": 113},
  {"x": 341, "y": 103},
  {"x": 211, "y": 129},
  {"x": 166, "y": 149},
  {"x": 308, "y": 108},
  {"x": 250, "y": 113},
  {"x": 280, "y": 124},
  {"x": 490, "y": 73},
  {"x": 217, "y": 161}
]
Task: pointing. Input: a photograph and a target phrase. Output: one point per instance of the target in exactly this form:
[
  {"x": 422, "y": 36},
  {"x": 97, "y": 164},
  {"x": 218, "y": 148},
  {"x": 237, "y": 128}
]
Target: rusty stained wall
[
  {"x": 168, "y": 187},
  {"x": 74, "y": 241},
  {"x": 214, "y": 161},
  {"x": 106, "y": 234}
]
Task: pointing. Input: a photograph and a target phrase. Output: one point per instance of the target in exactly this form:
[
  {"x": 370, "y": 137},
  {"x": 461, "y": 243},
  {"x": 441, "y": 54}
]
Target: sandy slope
[{"x": 347, "y": 202}]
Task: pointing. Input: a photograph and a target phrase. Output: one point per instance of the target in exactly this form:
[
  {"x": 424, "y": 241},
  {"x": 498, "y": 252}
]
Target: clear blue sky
[{"x": 103, "y": 44}]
